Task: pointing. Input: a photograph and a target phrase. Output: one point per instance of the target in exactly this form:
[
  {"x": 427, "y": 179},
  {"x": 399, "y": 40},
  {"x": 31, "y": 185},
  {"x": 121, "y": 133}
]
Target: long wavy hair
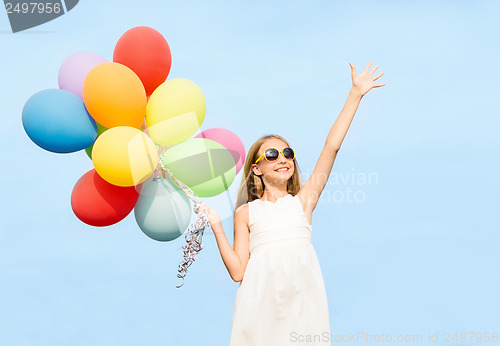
[{"x": 252, "y": 186}]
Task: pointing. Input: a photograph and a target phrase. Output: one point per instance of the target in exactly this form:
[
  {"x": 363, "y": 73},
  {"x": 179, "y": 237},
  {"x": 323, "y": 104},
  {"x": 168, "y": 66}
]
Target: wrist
[
  {"x": 354, "y": 92},
  {"x": 216, "y": 226}
]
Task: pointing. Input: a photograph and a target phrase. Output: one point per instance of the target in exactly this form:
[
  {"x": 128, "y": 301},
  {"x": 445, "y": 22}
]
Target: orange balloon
[{"x": 114, "y": 95}]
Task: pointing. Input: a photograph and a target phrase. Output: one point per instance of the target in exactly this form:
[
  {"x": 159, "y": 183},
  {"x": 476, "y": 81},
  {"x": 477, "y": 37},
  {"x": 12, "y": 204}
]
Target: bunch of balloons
[{"x": 135, "y": 125}]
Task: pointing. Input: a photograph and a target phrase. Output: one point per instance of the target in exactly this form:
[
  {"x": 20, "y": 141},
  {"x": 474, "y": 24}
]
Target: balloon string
[{"x": 194, "y": 234}]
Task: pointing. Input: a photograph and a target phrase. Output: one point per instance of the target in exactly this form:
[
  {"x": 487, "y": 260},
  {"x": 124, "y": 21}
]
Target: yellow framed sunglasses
[{"x": 272, "y": 154}]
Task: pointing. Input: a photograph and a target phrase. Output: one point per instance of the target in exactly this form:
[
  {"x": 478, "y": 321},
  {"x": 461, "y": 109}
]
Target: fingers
[
  {"x": 353, "y": 69},
  {"x": 201, "y": 208},
  {"x": 368, "y": 67},
  {"x": 378, "y": 76},
  {"x": 373, "y": 70}
]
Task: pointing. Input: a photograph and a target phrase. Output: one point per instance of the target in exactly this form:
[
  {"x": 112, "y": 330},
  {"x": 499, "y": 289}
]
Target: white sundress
[{"x": 281, "y": 299}]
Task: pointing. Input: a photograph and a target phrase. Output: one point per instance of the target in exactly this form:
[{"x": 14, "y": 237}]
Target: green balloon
[
  {"x": 100, "y": 130},
  {"x": 204, "y": 165}
]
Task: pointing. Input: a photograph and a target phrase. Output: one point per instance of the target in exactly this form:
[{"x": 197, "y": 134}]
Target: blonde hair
[{"x": 252, "y": 186}]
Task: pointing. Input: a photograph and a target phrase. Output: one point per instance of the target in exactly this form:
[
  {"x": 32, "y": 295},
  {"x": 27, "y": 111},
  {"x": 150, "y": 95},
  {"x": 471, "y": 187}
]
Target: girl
[{"x": 281, "y": 299}]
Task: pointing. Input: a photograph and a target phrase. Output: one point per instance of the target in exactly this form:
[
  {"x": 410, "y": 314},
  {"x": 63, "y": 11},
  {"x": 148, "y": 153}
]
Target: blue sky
[{"x": 417, "y": 250}]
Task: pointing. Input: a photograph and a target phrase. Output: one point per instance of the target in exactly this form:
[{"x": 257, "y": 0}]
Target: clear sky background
[{"x": 407, "y": 232}]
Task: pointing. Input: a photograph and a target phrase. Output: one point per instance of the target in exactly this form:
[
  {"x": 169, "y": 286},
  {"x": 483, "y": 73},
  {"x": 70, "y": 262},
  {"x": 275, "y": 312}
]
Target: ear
[{"x": 256, "y": 170}]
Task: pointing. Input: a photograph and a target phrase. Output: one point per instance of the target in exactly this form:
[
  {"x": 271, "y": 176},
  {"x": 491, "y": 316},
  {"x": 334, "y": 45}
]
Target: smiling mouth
[{"x": 282, "y": 170}]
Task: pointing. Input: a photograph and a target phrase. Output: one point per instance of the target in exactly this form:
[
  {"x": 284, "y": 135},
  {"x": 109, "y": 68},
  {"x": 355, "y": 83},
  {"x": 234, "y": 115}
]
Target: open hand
[{"x": 363, "y": 82}]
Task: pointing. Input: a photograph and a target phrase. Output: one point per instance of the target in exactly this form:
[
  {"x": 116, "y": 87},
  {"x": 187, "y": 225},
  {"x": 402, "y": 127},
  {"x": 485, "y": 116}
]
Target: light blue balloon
[
  {"x": 57, "y": 120},
  {"x": 163, "y": 211}
]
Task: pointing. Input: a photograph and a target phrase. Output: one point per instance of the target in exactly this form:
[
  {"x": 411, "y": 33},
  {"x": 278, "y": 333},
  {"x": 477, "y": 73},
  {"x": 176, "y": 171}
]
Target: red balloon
[
  {"x": 99, "y": 203},
  {"x": 146, "y": 52}
]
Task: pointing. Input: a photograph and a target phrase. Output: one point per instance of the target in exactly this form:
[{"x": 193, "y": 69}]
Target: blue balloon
[
  {"x": 57, "y": 120},
  {"x": 163, "y": 211}
]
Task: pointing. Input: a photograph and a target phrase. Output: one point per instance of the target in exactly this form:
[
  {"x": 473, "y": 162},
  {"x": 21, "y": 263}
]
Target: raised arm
[{"x": 361, "y": 83}]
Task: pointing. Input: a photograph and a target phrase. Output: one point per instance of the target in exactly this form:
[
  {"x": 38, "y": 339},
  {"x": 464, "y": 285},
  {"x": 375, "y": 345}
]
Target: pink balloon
[
  {"x": 230, "y": 141},
  {"x": 74, "y": 70}
]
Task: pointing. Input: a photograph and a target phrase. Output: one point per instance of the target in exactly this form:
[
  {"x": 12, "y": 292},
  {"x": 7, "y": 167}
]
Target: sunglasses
[{"x": 272, "y": 154}]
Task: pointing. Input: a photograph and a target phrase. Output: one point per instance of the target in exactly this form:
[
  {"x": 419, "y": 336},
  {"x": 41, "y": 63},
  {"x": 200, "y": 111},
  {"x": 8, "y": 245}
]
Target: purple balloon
[{"x": 74, "y": 70}]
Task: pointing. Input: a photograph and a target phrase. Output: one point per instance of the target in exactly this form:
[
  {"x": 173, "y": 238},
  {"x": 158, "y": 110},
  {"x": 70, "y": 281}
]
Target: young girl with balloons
[{"x": 281, "y": 298}]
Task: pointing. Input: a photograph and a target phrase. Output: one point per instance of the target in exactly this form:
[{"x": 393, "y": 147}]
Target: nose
[{"x": 281, "y": 158}]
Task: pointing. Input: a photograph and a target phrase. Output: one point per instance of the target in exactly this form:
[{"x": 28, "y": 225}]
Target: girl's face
[{"x": 277, "y": 172}]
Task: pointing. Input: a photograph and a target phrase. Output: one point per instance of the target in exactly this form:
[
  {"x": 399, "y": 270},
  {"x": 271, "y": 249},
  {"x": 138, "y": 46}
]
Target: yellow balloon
[
  {"x": 124, "y": 156},
  {"x": 175, "y": 111}
]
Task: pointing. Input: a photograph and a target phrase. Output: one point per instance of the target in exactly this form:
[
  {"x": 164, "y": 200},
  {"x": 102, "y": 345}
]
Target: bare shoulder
[{"x": 241, "y": 214}]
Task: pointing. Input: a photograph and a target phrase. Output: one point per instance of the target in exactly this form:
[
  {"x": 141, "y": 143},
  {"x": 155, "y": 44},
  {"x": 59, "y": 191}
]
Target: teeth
[{"x": 281, "y": 169}]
